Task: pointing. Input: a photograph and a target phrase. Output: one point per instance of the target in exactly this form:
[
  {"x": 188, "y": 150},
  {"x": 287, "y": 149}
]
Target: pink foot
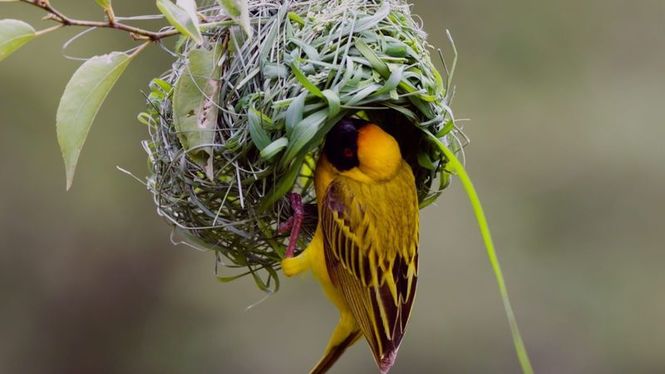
[{"x": 294, "y": 223}]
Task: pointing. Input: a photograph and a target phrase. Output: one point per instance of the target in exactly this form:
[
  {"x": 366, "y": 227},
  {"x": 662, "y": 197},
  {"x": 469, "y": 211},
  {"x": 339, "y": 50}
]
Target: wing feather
[{"x": 371, "y": 242}]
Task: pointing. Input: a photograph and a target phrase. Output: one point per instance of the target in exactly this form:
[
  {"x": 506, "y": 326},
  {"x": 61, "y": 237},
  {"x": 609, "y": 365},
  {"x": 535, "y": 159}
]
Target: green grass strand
[{"x": 455, "y": 166}]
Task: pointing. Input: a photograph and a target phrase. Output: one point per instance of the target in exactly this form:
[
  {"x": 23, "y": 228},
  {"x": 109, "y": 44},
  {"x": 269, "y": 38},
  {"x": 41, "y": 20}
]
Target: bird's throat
[{"x": 378, "y": 153}]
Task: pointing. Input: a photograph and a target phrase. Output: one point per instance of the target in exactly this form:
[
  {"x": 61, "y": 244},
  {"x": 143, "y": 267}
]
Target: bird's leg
[
  {"x": 294, "y": 223},
  {"x": 345, "y": 334}
]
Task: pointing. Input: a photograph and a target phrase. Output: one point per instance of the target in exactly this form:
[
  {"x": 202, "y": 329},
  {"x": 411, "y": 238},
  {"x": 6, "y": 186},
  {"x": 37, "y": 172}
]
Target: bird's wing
[{"x": 371, "y": 239}]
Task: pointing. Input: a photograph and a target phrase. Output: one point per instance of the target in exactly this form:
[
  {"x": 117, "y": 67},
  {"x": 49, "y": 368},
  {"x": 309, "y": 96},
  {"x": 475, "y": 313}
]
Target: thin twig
[{"x": 136, "y": 33}]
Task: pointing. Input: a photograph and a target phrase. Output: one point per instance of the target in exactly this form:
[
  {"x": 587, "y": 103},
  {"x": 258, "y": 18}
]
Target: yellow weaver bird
[{"x": 365, "y": 249}]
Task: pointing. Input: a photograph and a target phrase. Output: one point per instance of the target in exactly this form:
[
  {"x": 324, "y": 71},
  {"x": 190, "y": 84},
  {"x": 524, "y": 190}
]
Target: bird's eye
[{"x": 347, "y": 152}]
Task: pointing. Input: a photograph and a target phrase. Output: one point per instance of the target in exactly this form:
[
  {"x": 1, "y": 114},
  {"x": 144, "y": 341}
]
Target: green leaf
[
  {"x": 272, "y": 149},
  {"x": 284, "y": 184},
  {"x": 392, "y": 82},
  {"x": 105, "y": 4},
  {"x": 81, "y": 101},
  {"x": 302, "y": 79},
  {"x": 190, "y": 7},
  {"x": 296, "y": 18},
  {"x": 160, "y": 84},
  {"x": 425, "y": 161},
  {"x": 13, "y": 35},
  {"x": 183, "y": 17},
  {"x": 311, "y": 52},
  {"x": 447, "y": 127},
  {"x": 303, "y": 132},
  {"x": 294, "y": 112},
  {"x": 396, "y": 49},
  {"x": 373, "y": 59},
  {"x": 334, "y": 105},
  {"x": 238, "y": 10},
  {"x": 362, "y": 94},
  {"x": 259, "y": 136},
  {"x": 194, "y": 100}
]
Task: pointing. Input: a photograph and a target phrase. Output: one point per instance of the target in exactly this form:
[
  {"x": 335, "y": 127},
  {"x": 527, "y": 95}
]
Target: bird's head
[{"x": 362, "y": 150}]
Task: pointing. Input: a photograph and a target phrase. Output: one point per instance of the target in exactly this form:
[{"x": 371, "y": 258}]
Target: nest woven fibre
[{"x": 239, "y": 121}]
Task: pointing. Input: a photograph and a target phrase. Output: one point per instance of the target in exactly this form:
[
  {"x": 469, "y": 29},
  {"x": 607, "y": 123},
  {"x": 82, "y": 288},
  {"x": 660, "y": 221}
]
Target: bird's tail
[
  {"x": 334, "y": 352},
  {"x": 387, "y": 361}
]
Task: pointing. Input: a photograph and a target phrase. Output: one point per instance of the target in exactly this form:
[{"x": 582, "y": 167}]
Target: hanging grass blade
[{"x": 455, "y": 166}]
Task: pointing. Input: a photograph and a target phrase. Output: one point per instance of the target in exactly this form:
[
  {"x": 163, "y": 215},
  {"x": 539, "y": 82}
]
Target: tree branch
[{"x": 111, "y": 23}]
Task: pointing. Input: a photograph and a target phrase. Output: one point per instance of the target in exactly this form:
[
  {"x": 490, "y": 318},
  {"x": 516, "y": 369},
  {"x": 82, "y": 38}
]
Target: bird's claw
[
  {"x": 284, "y": 227},
  {"x": 294, "y": 223}
]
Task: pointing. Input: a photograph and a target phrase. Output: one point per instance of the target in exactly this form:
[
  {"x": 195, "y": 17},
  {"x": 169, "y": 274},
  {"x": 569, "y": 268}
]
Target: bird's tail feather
[{"x": 334, "y": 353}]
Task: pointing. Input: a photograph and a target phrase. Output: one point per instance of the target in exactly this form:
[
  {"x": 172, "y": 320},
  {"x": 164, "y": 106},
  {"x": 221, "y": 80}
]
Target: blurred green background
[{"x": 565, "y": 101}]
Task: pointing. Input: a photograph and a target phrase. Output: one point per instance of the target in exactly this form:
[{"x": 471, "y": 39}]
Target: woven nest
[{"x": 222, "y": 160}]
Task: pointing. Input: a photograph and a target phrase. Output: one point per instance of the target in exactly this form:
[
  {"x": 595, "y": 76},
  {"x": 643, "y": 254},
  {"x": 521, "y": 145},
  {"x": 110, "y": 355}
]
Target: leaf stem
[
  {"x": 138, "y": 49},
  {"x": 455, "y": 166},
  {"x": 48, "y": 30}
]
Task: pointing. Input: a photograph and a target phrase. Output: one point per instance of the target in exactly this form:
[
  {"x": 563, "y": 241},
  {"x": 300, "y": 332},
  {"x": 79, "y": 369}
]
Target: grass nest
[{"x": 239, "y": 120}]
